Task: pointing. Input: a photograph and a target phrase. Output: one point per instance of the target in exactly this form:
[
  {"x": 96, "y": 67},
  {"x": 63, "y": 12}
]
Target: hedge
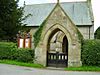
[
  {"x": 91, "y": 53},
  {"x": 10, "y": 51}
]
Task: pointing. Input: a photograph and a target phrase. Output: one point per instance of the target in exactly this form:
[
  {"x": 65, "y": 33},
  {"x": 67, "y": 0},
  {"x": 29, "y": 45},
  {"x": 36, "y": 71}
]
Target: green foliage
[
  {"x": 91, "y": 53},
  {"x": 80, "y": 36},
  {"x": 11, "y": 52},
  {"x": 7, "y": 45},
  {"x": 11, "y": 17},
  {"x": 97, "y": 33},
  {"x": 5, "y": 49},
  {"x": 37, "y": 35},
  {"x": 83, "y": 68},
  {"x": 22, "y": 55},
  {"x": 21, "y": 63}
]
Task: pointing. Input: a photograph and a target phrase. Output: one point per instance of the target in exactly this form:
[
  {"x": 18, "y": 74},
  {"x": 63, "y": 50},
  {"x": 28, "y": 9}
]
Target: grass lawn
[
  {"x": 21, "y": 63},
  {"x": 84, "y": 68}
]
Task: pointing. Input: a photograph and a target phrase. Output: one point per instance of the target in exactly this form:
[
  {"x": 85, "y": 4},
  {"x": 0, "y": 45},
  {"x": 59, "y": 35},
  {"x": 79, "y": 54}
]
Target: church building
[{"x": 57, "y": 31}]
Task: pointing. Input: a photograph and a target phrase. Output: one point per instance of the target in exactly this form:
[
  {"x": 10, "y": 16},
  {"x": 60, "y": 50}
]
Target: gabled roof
[{"x": 78, "y": 12}]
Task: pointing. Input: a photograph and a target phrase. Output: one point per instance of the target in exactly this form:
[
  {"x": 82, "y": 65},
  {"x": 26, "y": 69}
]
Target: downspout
[
  {"x": 91, "y": 16},
  {"x": 89, "y": 3}
]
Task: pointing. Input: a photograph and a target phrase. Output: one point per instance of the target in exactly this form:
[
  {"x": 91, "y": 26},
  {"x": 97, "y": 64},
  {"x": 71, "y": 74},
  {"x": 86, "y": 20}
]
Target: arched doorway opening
[
  {"x": 57, "y": 49},
  {"x": 65, "y": 47}
]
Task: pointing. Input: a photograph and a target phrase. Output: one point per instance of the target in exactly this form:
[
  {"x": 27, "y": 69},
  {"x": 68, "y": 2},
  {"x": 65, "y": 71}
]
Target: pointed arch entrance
[
  {"x": 59, "y": 21},
  {"x": 46, "y": 46},
  {"x": 57, "y": 49}
]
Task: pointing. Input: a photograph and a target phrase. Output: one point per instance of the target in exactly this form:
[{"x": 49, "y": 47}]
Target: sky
[{"x": 95, "y": 7}]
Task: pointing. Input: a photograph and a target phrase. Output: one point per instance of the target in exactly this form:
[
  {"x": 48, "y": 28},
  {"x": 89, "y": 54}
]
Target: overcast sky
[{"x": 95, "y": 6}]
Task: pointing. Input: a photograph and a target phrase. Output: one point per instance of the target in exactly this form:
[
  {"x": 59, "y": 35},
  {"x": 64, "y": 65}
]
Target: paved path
[{"x": 17, "y": 70}]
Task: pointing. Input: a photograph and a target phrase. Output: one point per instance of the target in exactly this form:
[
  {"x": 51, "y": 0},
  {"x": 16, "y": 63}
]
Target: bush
[
  {"x": 11, "y": 52},
  {"x": 24, "y": 55},
  {"x": 7, "y": 45},
  {"x": 91, "y": 52},
  {"x": 6, "y": 50}
]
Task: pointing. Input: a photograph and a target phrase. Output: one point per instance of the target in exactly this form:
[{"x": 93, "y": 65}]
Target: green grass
[
  {"x": 84, "y": 68},
  {"x": 21, "y": 63}
]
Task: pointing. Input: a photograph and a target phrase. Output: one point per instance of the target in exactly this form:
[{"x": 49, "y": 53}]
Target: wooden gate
[{"x": 57, "y": 59}]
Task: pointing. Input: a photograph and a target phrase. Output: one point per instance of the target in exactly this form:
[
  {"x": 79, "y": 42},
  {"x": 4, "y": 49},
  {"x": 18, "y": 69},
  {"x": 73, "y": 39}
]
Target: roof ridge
[
  {"x": 39, "y": 4},
  {"x": 55, "y": 3}
]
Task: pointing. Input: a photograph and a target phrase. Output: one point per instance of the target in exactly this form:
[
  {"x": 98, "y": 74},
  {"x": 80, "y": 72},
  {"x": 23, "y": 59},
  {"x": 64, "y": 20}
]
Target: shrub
[
  {"x": 7, "y": 45},
  {"x": 11, "y": 52},
  {"x": 6, "y": 49},
  {"x": 24, "y": 55},
  {"x": 97, "y": 33},
  {"x": 91, "y": 52}
]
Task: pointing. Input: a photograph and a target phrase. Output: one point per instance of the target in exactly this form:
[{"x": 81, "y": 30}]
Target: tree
[
  {"x": 97, "y": 33},
  {"x": 11, "y": 17}
]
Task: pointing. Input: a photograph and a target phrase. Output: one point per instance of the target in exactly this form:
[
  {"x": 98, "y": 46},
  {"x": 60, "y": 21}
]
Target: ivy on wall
[
  {"x": 80, "y": 36},
  {"x": 37, "y": 35}
]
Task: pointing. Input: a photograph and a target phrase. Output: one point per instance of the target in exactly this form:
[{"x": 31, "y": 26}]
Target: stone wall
[
  {"x": 32, "y": 31},
  {"x": 87, "y": 31}
]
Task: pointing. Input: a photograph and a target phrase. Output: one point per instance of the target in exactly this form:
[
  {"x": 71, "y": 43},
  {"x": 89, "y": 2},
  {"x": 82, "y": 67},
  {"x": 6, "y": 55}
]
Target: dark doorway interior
[
  {"x": 65, "y": 47},
  {"x": 58, "y": 59}
]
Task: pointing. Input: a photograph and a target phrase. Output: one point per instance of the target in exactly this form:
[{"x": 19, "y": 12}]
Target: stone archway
[
  {"x": 74, "y": 47},
  {"x": 56, "y": 56},
  {"x": 59, "y": 20}
]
